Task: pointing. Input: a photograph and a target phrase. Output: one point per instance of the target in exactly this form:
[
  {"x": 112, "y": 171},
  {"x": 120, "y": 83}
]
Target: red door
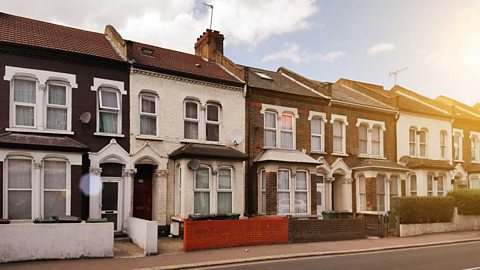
[{"x": 142, "y": 192}]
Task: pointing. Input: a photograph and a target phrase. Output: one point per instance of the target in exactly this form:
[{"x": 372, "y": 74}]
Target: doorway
[
  {"x": 320, "y": 198},
  {"x": 111, "y": 201},
  {"x": 142, "y": 191}
]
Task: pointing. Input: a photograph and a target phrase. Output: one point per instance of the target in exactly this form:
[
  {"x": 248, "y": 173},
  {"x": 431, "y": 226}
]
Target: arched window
[
  {"x": 286, "y": 132},
  {"x": 109, "y": 110},
  {"x": 412, "y": 139},
  {"x": 376, "y": 141},
  {"x": 270, "y": 129},
  {"x": 443, "y": 144},
  {"x": 148, "y": 114},
  {"x": 191, "y": 116},
  {"x": 457, "y": 146},
  {"x": 474, "y": 147},
  {"x": 423, "y": 143},
  {"x": 338, "y": 136},
  {"x": 19, "y": 172},
  {"x": 363, "y": 139}
]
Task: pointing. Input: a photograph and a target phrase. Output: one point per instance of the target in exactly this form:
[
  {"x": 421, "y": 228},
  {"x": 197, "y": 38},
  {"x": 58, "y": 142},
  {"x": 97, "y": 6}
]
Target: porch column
[
  {"x": 160, "y": 196},
  {"x": 94, "y": 190},
  {"x": 328, "y": 193},
  {"x": 128, "y": 175}
]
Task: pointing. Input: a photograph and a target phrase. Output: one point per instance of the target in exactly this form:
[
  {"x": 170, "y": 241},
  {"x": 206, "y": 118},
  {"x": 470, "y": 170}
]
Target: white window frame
[
  {"x": 443, "y": 144},
  {"x": 414, "y": 142},
  {"x": 475, "y": 139},
  {"x": 156, "y": 114},
  {"x": 192, "y": 120},
  {"x": 322, "y": 117},
  {"x": 371, "y": 124},
  {"x": 67, "y": 106},
  {"x": 282, "y": 130},
  {"x": 106, "y": 109},
  {"x": 262, "y": 190},
  {"x": 425, "y": 144},
  {"x": 459, "y": 148},
  {"x": 13, "y": 110},
  {"x": 271, "y": 129},
  {"x": 411, "y": 191},
  {"x": 230, "y": 190},
  {"x": 431, "y": 192},
  {"x": 67, "y": 189},
  {"x": 441, "y": 178},
  {"x": 209, "y": 190},
  {"x": 362, "y": 203},
  {"x": 218, "y": 123},
  {"x": 385, "y": 193},
  {"x": 366, "y": 141},
  {"x": 6, "y": 189},
  {"x": 306, "y": 191},
  {"x": 280, "y": 110},
  {"x": 343, "y": 121},
  {"x": 289, "y": 190}
]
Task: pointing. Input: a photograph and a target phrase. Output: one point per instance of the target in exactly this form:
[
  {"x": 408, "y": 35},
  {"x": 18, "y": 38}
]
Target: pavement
[{"x": 172, "y": 258}]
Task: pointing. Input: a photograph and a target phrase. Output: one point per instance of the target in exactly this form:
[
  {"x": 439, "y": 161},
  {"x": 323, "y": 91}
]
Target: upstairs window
[
  {"x": 457, "y": 146},
  {"x": 213, "y": 123},
  {"x": 338, "y": 137},
  {"x": 191, "y": 119},
  {"x": 148, "y": 115},
  {"x": 270, "y": 129},
  {"x": 24, "y": 102},
  {"x": 475, "y": 148},
  {"x": 317, "y": 136},
  {"x": 423, "y": 143},
  {"x": 441, "y": 185},
  {"x": 109, "y": 111},
  {"x": 57, "y": 108},
  {"x": 412, "y": 139},
  {"x": 376, "y": 141},
  {"x": 286, "y": 133},
  {"x": 443, "y": 144},
  {"x": 363, "y": 139}
]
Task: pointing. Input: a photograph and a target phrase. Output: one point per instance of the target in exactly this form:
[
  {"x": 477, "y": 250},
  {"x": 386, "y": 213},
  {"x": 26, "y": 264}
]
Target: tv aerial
[
  {"x": 211, "y": 13},
  {"x": 395, "y": 73}
]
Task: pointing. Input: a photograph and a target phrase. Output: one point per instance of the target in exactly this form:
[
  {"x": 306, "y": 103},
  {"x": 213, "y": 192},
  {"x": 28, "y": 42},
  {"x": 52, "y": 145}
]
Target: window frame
[
  {"x": 13, "y": 106},
  {"x": 262, "y": 190},
  {"x": 6, "y": 189},
  {"x": 221, "y": 190},
  {"x": 365, "y": 141},
  {"x": 111, "y": 110},
  {"x": 362, "y": 193},
  {"x": 412, "y": 192},
  {"x": 289, "y": 191},
  {"x": 305, "y": 191},
  {"x": 271, "y": 129},
  {"x": 341, "y": 137},
  {"x": 192, "y": 120},
  {"x": 441, "y": 179},
  {"x": 412, "y": 144},
  {"x": 67, "y": 106},
  {"x": 317, "y": 135},
  {"x": 458, "y": 147},
  {"x": 423, "y": 144},
  {"x": 430, "y": 190},
  {"x": 67, "y": 189},
  {"x": 146, "y": 114},
  {"x": 211, "y": 122},
  {"x": 290, "y": 131},
  {"x": 209, "y": 190},
  {"x": 443, "y": 144},
  {"x": 379, "y": 194}
]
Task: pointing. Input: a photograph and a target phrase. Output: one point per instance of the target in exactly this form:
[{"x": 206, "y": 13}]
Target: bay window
[
  {"x": 286, "y": 132},
  {"x": 54, "y": 188},
  {"x": 19, "y": 189},
  {"x": 270, "y": 129},
  {"x": 413, "y": 185},
  {"x": 292, "y": 192},
  {"x": 24, "y": 102},
  {"x": 317, "y": 134},
  {"x": 191, "y": 119},
  {"x": 224, "y": 191},
  {"x": 57, "y": 107},
  {"x": 380, "y": 188},
  {"x": 148, "y": 115},
  {"x": 213, "y": 123},
  {"x": 301, "y": 192},
  {"x": 109, "y": 111},
  {"x": 283, "y": 191},
  {"x": 202, "y": 191},
  {"x": 441, "y": 185},
  {"x": 362, "y": 191},
  {"x": 263, "y": 192},
  {"x": 429, "y": 185}
]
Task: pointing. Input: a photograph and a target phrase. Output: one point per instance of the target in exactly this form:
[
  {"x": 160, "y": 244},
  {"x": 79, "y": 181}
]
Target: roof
[
  {"x": 289, "y": 156},
  {"x": 276, "y": 81},
  {"x": 411, "y": 101},
  {"x": 41, "y": 142},
  {"x": 29, "y": 32},
  {"x": 353, "y": 96},
  {"x": 379, "y": 164},
  {"x": 415, "y": 163},
  {"x": 460, "y": 110},
  {"x": 179, "y": 62},
  {"x": 197, "y": 150}
]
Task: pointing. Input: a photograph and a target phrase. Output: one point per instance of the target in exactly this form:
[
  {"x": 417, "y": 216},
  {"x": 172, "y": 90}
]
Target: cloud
[
  {"x": 381, "y": 48},
  {"x": 176, "y": 24},
  {"x": 292, "y": 52}
]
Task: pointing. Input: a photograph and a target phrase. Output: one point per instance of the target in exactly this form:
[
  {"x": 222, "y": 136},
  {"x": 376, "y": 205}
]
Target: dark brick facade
[
  {"x": 1, "y": 189},
  {"x": 467, "y": 126},
  {"x": 76, "y": 193},
  {"x": 314, "y": 230},
  {"x": 271, "y": 190}
]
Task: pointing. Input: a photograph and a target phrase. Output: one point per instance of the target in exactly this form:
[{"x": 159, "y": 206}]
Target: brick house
[
  {"x": 187, "y": 125},
  {"x": 465, "y": 143},
  {"x": 52, "y": 163}
]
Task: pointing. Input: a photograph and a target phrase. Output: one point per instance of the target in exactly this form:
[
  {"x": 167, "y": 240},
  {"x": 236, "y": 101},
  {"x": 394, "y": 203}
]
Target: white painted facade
[{"x": 169, "y": 199}]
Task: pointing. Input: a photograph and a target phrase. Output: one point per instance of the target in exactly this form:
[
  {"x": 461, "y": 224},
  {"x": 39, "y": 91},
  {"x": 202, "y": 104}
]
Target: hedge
[
  {"x": 467, "y": 201},
  {"x": 412, "y": 210}
]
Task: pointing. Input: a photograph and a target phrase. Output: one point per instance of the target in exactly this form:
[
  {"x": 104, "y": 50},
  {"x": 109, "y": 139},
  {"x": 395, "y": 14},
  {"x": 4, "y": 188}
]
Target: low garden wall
[
  {"x": 313, "y": 230},
  {"x": 210, "y": 234},
  {"x": 28, "y": 241},
  {"x": 144, "y": 233}
]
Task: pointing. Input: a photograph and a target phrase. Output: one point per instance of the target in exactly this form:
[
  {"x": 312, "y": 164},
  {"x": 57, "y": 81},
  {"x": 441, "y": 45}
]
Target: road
[{"x": 451, "y": 257}]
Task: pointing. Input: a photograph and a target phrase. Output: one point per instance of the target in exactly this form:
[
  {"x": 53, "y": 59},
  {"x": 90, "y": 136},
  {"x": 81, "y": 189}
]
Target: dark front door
[{"x": 142, "y": 192}]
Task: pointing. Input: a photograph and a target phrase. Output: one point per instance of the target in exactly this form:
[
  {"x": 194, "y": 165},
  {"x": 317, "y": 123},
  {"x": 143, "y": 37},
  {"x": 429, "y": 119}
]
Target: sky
[{"x": 438, "y": 41}]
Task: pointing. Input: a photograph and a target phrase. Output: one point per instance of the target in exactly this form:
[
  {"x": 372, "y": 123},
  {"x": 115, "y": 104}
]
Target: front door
[
  {"x": 320, "y": 199},
  {"x": 142, "y": 192},
  {"x": 111, "y": 203}
]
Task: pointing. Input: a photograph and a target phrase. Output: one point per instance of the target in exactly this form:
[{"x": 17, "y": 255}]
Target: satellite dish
[
  {"x": 85, "y": 117},
  {"x": 237, "y": 136},
  {"x": 193, "y": 164}
]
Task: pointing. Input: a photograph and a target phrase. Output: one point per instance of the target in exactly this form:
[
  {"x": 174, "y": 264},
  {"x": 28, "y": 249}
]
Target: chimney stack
[{"x": 209, "y": 44}]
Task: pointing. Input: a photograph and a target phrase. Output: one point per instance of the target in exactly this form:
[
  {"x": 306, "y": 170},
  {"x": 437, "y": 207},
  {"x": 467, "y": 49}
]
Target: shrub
[
  {"x": 413, "y": 210},
  {"x": 467, "y": 201}
]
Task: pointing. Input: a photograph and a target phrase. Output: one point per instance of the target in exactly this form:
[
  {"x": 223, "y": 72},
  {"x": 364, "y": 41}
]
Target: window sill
[
  {"x": 372, "y": 212},
  {"x": 108, "y": 135},
  {"x": 318, "y": 152},
  {"x": 201, "y": 142},
  {"x": 40, "y": 131},
  {"x": 371, "y": 157},
  {"x": 475, "y": 162},
  {"x": 459, "y": 161},
  {"x": 277, "y": 148},
  {"x": 146, "y": 137},
  {"x": 340, "y": 154}
]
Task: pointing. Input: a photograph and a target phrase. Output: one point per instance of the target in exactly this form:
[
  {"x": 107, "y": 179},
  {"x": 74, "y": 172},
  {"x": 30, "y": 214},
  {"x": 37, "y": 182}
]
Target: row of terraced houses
[{"x": 97, "y": 126}]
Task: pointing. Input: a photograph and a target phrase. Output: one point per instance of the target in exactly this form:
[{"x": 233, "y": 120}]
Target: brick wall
[
  {"x": 76, "y": 193},
  {"x": 313, "y": 193},
  {"x": 271, "y": 190},
  {"x": 313, "y": 230},
  {"x": 375, "y": 225},
  {"x": 371, "y": 189},
  {"x": 1, "y": 189},
  {"x": 210, "y": 234}
]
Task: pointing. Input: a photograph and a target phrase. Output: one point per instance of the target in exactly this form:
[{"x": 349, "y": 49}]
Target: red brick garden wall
[
  {"x": 313, "y": 230},
  {"x": 210, "y": 234}
]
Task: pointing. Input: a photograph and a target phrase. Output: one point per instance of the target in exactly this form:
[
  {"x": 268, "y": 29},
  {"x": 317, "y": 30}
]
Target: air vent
[
  {"x": 147, "y": 51},
  {"x": 264, "y": 76}
]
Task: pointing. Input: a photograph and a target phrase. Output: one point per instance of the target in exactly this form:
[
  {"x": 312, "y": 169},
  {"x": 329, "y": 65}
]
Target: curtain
[
  {"x": 287, "y": 139},
  {"x": 24, "y": 115},
  {"x": 213, "y": 132},
  {"x": 24, "y": 91},
  {"x": 202, "y": 179},
  {"x": 54, "y": 203},
  {"x": 363, "y": 139},
  {"x": 337, "y": 137},
  {"x": 316, "y": 126},
  {"x": 287, "y": 122},
  {"x": 270, "y": 138},
  {"x": 19, "y": 173},
  {"x": 108, "y": 122},
  {"x": 270, "y": 120},
  {"x": 202, "y": 203},
  {"x": 316, "y": 143},
  {"x": 224, "y": 179},
  {"x": 191, "y": 130},
  {"x": 301, "y": 202},
  {"x": 148, "y": 125},
  {"x": 57, "y": 95},
  {"x": 57, "y": 118},
  {"x": 55, "y": 175},
  {"x": 283, "y": 202},
  {"x": 283, "y": 180},
  {"x": 301, "y": 181},
  {"x": 376, "y": 141},
  {"x": 148, "y": 104},
  {"x": 191, "y": 110},
  {"x": 109, "y": 99},
  {"x": 212, "y": 113},
  {"x": 224, "y": 203}
]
